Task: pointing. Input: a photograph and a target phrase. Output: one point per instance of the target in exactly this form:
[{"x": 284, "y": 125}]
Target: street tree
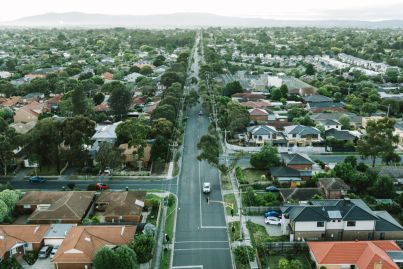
[
  {"x": 267, "y": 157},
  {"x": 379, "y": 140},
  {"x": 162, "y": 127},
  {"x": 168, "y": 78},
  {"x": 210, "y": 149},
  {"x": 143, "y": 246},
  {"x": 165, "y": 111}
]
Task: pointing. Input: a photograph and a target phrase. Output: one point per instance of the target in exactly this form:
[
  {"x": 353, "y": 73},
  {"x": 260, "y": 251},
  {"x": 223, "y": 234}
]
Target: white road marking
[{"x": 188, "y": 266}]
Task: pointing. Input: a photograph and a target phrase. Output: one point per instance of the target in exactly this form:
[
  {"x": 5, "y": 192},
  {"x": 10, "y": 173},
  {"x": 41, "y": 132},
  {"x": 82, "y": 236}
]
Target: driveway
[
  {"x": 39, "y": 264},
  {"x": 272, "y": 230}
]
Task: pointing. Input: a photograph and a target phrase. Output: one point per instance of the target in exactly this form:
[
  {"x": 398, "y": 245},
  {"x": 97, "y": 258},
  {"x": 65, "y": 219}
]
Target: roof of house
[
  {"x": 347, "y": 210},
  {"x": 262, "y": 130},
  {"x": 248, "y": 95},
  {"x": 300, "y": 194},
  {"x": 332, "y": 122},
  {"x": 13, "y": 100},
  {"x": 68, "y": 205},
  {"x": 58, "y": 230},
  {"x": 340, "y": 134},
  {"x": 301, "y": 130},
  {"x": 284, "y": 172},
  {"x": 317, "y": 98},
  {"x": 258, "y": 112},
  {"x": 105, "y": 131},
  {"x": 256, "y": 104},
  {"x": 322, "y": 117},
  {"x": 10, "y": 235},
  {"x": 122, "y": 203},
  {"x": 33, "y": 108},
  {"x": 333, "y": 184},
  {"x": 391, "y": 171},
  {"x": 326, "y": 106},
  {"x": 296, "y": 158},
  {"x": 82, "y": 242},
  {"x": 23, "y": 128},
  {"x": 363, "y": 254}
]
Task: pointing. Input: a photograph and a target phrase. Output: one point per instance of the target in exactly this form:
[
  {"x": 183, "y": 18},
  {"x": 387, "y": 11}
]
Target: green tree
[
  {"x": 232, "y": 88},
  {"x": 10, "y": 198},
  {"x": 162, "y": 127},
  {"x": 3, "y": 210},
  {"x": 351, "y": 160},
  {"x": 283, "y": 263},
  {"x": 127, "y": 258},
  {"x": 345, "y": 122},
  {"x": 120, "y": 100},
  {"x": 267, "y": 157},
  {"x": 108, "y": 156},
  {"x": 383, "y": 188},
  {"x": 165, "y": 111},
  {"x": 105, "y": 258},
  {"x": 168, "y": 78},
  {"x": 98, "y": 98},
  {"x": 296, "y": 264},
  {"x": 134, "y": 132},
  {"x": 310, "y": 70},
  {"x": 210, "y": 149},
  {"x": 244, "y": 254},
  {"x": 276, "y": 94},
  {"x": 192, "y": 99},
  {"x": 9, "y": 142},
  {"x": 284, "y": 91},
  {"x": 379, "y": 139},
  {"x": 143, "y": 246},
  {"x": 159, "y": 60}
]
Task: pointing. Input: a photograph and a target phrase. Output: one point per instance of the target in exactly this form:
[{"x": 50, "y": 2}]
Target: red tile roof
[
  {"x": 258, "y": 112},
  {"x": 364, "y": 254}
]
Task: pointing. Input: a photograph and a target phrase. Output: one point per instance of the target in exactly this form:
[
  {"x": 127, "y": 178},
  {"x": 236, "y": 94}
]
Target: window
[
  {"x": 350, "y": 223},
  {"x": 320, "y": 224}
]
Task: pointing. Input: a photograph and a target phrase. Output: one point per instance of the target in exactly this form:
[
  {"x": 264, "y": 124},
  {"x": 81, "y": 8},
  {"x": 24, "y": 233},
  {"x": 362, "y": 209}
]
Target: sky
[{"x": 273, "y": 9}]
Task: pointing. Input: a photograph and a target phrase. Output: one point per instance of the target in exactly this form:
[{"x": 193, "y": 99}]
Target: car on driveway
[
  {"x": 206, "y": 187},
  {"x": 44, "y": 252},
  {"x": 200, "y": 113},
  {"x": 101, "y": 186},
  {"x": 272, "y": 213},
  {"x": 37, "y": 179},
  {"x": 272, "y": 189},
  {"x": 272, "y": 221},
  {"x": 53, "y": 252}
]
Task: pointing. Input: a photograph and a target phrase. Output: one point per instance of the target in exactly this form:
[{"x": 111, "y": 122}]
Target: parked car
[
  {"x": 272, "y": 189},
  {"x": 200, "y": 113},
  {"x": 272, "y": 221},
  {"x": 206, "y": 187},
  {"x": 101, "y": 186},
  {"x": 272, "y": 213},
  {"x": 37, "y": 179},
  {"x": 44, "y": 252},
  {"x": 53, "y": 252}
]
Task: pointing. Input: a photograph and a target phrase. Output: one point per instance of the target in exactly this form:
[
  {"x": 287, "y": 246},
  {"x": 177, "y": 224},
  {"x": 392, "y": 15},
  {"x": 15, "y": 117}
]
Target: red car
[{"x": 101, "y": 186}]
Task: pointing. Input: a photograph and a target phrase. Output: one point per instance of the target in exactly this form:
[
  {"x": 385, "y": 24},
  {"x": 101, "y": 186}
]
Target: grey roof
[
  {"x": 333, "y": 184},
  {"x": 319, "y": 210},
  {"x": 325, "y": 105},
  {"x": 296, "y": 158},
  {"x": 340, "y": 134},
  {"x": 301, "y": 130},
  {"x": 396, "y": 256},
  {"x": 284, "y": 172},
  {"x": 317, "y": 98},
  {"x": 300, "y": 194},
  {"x": 386, "y": 222},
  {"x": 105, "y": 131},
  {"x": 58, "y": 230},
  {"x": 390, "y": 171},
  {"x": 322, "y": 117},
  {"x": 262, "y": 130},
  {"x": 332, "y": 122}
]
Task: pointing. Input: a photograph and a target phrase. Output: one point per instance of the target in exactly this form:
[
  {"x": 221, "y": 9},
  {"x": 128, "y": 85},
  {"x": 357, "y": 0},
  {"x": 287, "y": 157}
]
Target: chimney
[{"x": 378, "y": 264}]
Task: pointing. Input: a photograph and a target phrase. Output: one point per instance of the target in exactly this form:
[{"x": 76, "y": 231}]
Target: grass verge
[
  {"x": 234, "y": 229},
  {"x": 230, "y": 199}
]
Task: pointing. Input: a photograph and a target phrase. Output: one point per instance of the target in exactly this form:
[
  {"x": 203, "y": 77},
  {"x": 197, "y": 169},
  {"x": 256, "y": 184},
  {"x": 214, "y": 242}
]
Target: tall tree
[
  {"x": 9, "y": 142},
  {"x": 267, "y": 157},
  {"x": 127, "y": 258},
  {"x": 108, "y": 156},
  {"x": 379, "y": 140},
  {"x": 134, "y": 132},
  {"x": 143, "y": 246},
  {"x": 120, "y": 100},
  {"x": 105, "y": 258}
]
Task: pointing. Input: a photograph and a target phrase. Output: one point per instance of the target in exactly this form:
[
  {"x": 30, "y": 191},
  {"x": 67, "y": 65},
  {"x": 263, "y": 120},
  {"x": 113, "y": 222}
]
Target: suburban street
[{"x": 201, "y": 239}]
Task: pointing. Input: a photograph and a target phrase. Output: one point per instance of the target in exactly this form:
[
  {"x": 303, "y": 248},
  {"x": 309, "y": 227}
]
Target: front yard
[{"x": 273, "y": 260}]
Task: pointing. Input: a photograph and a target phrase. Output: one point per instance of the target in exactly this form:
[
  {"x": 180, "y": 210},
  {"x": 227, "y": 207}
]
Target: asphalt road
[{"x": 201, "y": 238}]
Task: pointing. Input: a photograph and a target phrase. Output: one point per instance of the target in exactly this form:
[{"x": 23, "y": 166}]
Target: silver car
[{"x": 44, "y": 252}]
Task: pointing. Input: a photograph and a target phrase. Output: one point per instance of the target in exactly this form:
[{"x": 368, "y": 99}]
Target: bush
[
  {"x": 244, "y": 254},
  {"x": 91, "y": 187},
  {"x": 240, "y": 175},
  {"x": 171, "y": 200},
  {"x": 30, "y": 257}
]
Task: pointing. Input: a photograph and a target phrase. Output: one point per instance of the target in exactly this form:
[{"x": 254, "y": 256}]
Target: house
[
  {"x": 121, "y": 206},
  {"x": 285, "y": 174},
  {"x": 300, "y": 194},
  {"x": 319, "y": 103},
  {"x": 298, "y": 161},
  {"x": 246, "y": 96},
  {"x": 56, "y": 234},
  {"x": 263, "y": 104},
  {"x": 12, "y": 101},
  {"x": 262, "y": 134},
  {"x": 29, "y": 112},
  {"x": 258, "y": 114},
  {"x": 301, "y": 136},
  {"x": 345, "y": 219},
  {"x": 342, "y": 135},
  {"x": 53, "y": 102},
  {"x": 17, "y": 239},
  {"x": 332, "y": 124},
  {"x": 354, "y": 254},
  {"x": 104, "y": 133},
  {"x": 23, "y": 128},
  {"x": 394, "y": 172},
  {"x": 107, "y": 76},
  {"x": 33, "y": 96},
  {"x": 321, "y": 118},
  {"x": 306, "y": 91},
  {"x": 334, "y": 188},
  {"x": 55, "y": 206},
  {"x": 317, "y": 98},
  {"x": 82, "y": 242}
]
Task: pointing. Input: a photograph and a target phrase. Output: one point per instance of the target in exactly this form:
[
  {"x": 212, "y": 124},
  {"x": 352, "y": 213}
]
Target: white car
[
  {"x": 206, "y": 187},
  {"x": 53, "y": 252},
  {"x": 272, "y": 221}
]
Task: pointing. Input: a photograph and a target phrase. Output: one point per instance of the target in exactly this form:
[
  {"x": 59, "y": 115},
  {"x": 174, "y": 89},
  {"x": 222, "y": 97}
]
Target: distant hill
[{"x": 183, "y": 20}]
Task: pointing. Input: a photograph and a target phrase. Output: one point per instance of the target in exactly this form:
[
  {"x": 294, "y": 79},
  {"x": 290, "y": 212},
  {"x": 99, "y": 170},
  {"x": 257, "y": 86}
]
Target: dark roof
[
  {"x": 296, "y": 158},
  {"x": 325, "y": 105},
  {"x": 390, "y": 171},
  {"x": 332, "y": 122},
  {"x": 301, "y": 130},
  {"x": 386, "y": 222},
  {"x": 262, "y": 130},
  {"x": 317, "y": 98},
  {"x": 340, "y": 134},
  {"x": 322, "y": 117},
  {"x": 321, "y": 210},
  {"x": 284, "y": 172},
  {"x": 300, "y": 194},
  {"x": 333, "y": 184}
]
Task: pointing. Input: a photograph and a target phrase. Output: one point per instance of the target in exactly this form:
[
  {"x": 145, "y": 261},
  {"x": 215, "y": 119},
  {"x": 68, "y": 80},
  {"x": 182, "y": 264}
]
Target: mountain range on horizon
[{"x": 182, "y": 20}]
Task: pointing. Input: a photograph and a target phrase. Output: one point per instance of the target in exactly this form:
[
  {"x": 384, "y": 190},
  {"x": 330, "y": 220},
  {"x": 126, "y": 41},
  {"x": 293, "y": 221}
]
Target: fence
[
  {"x": 297, "y": 246},
  {"x": 252, "y": 210}
]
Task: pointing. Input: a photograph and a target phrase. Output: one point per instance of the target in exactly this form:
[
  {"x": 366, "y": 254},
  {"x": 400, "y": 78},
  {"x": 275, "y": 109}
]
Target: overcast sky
[{"x": 283, "y": 9}]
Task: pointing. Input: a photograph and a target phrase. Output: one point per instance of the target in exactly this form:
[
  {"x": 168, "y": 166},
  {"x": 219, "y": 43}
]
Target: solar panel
[{"x": 334, "y": 214}]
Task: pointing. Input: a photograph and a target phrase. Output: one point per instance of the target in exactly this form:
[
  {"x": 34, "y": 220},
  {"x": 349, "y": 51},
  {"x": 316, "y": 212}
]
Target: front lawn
[
  {"x": 234, "y": 232},
  {"x": 254, "y": 175},
  {"x": 274, "y": 259},
  {"x": 258, "y": 234},
  {"x": 230, "y": 199},
  {"x": 166, "y": 259}
]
